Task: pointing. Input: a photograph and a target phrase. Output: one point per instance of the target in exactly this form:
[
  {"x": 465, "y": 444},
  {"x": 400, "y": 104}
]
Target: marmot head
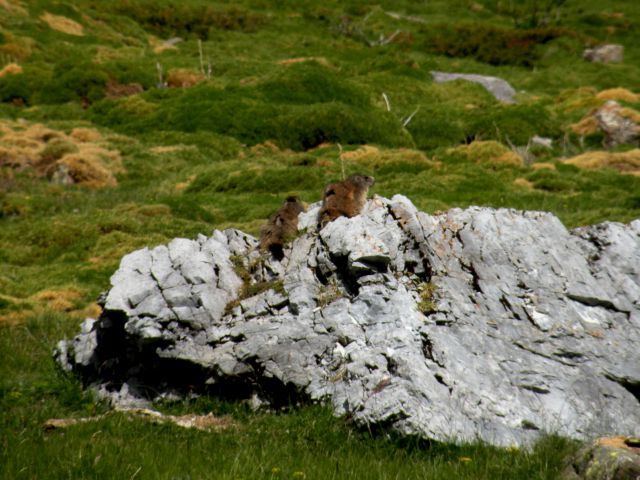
[
  {"x": 294, "y": 203},
  {"x": 363, "y": 181}
]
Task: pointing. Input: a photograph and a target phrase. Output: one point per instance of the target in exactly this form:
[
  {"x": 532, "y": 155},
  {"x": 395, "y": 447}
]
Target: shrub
[
  {"x": 73, "y": 81},
  {"x": 492, "y": 45},
  {"x": 240, "y": 112},
  {"x": 310, "y": 83},
  {"x": 22, "y": 87},
  {"x": 551, "y": 181},
  {"x": 170, "y": 19}
]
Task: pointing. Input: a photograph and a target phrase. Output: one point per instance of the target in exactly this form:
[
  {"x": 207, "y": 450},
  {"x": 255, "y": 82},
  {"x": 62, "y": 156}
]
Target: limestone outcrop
[{"x": 479, "y": 323}]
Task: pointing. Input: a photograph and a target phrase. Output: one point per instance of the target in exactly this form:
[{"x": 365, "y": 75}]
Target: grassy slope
[{"x": 67, "y": 240}]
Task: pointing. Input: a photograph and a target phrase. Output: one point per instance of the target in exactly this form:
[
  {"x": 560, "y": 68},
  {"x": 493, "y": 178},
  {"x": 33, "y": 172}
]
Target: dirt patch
[
  {"x": 624, "y": 162},
  {"x": 75, "y": 158},
  {"x": 115, "y": 89},
  {"x": 62, "y": 24},
  {"x": 183, "y": 78},
  {"x": 617, "y": 442}
]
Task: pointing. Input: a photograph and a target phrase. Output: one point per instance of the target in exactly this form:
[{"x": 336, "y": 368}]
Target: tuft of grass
[{"x": 426, "y": 305}]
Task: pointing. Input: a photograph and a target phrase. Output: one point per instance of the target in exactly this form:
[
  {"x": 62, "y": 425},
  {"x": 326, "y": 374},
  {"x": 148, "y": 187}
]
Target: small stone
[
  {"x": 610, "y": 53},
  {"x": 497, "y": 87}
]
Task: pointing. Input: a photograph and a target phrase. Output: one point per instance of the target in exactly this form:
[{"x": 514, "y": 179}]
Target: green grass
[
  {"x": 193, "y": 162},
  {"x": 260, "y": 445}
]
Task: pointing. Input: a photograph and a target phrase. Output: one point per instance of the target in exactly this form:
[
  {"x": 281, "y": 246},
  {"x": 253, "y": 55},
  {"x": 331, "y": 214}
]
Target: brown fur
[
  {"x": 346, "y": 198},
  {"x": 281, "y": 227}
]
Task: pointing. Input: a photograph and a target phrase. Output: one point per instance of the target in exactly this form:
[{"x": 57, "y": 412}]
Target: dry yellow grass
[
  {"x": 10, "y": 69},
  {"x": 543, "y": 166},
  {"x": 371, "y": 156},
  {"x": 631, "y": 114},
  {"x": 587, "y": 126},
  {"x": 85, "y": 135},
  {"x": 14, "y": 318},
  {"x": 292, "y": 61},
  {"x": 183, "y": 78},
  {"x": 488, "y": 151},
  {"x": 618, "y": 94},
  {"x": 268, "y": 147},
  {"x": 59, "y": 300},
  {"x": 14, "y": 6},
  {"x": 15, "y": 47},
  {"x": 167, "y": 149},
  {"x": 86, "y": 171},
  {"x": 625, "y": 162},
  {"x": 577, "y": 98},
  {"x": 63, "y": 24},
  {"x": 73, "y": 158},
  {"x": 523, "y": 183}
]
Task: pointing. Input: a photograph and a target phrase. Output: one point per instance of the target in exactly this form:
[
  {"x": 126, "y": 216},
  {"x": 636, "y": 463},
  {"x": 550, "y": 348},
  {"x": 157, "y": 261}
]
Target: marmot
[
  {"x": 344, "y": 198},
  {"x": 281, "y": 227}
]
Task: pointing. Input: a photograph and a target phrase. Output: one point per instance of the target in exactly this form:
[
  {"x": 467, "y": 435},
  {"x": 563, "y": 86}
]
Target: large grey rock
[
  {"x": 474, "y": 324},
  {"x": 499, "y": 88}
]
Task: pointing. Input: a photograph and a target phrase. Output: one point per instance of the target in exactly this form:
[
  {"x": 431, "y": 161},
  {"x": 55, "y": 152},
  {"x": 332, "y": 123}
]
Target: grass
[
  {"x": 292, "y": 86},
  {"x": 306, "y": 442}
]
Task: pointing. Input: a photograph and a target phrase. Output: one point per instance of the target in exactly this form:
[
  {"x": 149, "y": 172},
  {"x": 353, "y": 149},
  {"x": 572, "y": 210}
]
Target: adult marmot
[
  {"x": 281, "y": 227},
  {"x": 344, "y": 198}
]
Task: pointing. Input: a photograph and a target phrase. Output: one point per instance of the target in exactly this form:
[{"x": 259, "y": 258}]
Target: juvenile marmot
[
  {"x": 344, "y": 198},
  {"x": 281, "y": 227}
]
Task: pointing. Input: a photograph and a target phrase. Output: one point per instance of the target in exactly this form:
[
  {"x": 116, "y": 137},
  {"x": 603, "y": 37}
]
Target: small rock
[
  {"x": 544, "y": 142},
  {"x": 610, "y": 53},
  {"x": 497, "y": 87},
  {"x": 618, "y": 126}
]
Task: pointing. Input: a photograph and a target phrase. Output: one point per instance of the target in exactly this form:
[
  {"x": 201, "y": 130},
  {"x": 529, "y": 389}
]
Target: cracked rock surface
[{"x": 484, "y": 324}]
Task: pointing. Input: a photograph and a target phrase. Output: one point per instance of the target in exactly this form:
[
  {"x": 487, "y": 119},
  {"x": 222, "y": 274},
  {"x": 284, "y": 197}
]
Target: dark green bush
[
  {"x": 311, "y": 83},
  {"x": 242, "y": 113},
  {"x": 437, "y": 127},
  {"x": 489, "y": 44},
  {"x": 74, "y": 80},
  {"x": 551, "y": 181},
  {"x": 517, "y": 123},
  {"x": 170, "y": 19},
  {"x": 273, "y": 180},
  {"x": 23, "y": 86}
]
